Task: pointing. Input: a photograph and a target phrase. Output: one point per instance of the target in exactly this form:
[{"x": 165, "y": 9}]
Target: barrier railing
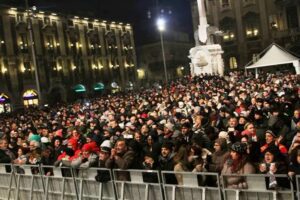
[
  {"x": 190, "y": 185},
  {"x": 59, "y": 183},
  {"x": 7, "y": 182},
  {"x": 51, "y": 183},
  {"x": 137, "y": 184},
  {"x": 257, "y": 186},
  {"x": 89, "y": 188}
]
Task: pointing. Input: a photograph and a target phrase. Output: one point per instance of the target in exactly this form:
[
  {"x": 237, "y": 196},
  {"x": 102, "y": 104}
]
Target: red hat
[
  {"x": 59, "y": 133},
  {"x": 73, "y": 142},
  {"x": 86, "y": 147}
]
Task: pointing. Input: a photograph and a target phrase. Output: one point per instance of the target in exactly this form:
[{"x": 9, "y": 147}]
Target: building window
[
  {"x": 4, "y": 103},
  {"x": 46, "y": 20},
  {"x": 233, "y": 63},
  {"x": 30, "y": 98},
  {"x": 251, "y": 21},
  {"x": 227, "y": 25},
  {"x": 20, "y": 18},
  {"x": 23, "y": 43}
]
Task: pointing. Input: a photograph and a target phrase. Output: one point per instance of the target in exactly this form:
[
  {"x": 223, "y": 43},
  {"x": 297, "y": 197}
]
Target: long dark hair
[{"x": 238, "y": 164}]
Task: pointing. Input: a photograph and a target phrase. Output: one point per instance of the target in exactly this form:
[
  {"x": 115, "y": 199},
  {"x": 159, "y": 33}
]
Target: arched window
[
  {"x": 30, "y": 98},
  {"x": 233, "y": 63}
]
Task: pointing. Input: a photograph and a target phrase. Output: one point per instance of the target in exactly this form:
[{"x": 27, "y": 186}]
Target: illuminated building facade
[
  {"x": 250, "y": 26},
  {"x": 70, "y": 51}
]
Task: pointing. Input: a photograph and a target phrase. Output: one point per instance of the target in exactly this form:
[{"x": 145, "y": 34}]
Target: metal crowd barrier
[
  {"x": 190, "y": 185},
  {"x": 256, "y": 186},
  {"x": 137, "y": 184},
  {"x": 28, "y": 182},
  {"x": 89, "y": 188},
  {"x": 7, "y": 182}
]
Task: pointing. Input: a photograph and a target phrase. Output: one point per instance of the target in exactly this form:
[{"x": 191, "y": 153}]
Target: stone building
[
  {"x": 75, "y": 57},
  {"x": 250, "y": 26}
]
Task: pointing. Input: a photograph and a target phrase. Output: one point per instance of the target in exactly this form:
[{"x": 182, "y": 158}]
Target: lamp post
[
  {"x": 36, "y": 73},
  {"x": 161, "y": 26}
]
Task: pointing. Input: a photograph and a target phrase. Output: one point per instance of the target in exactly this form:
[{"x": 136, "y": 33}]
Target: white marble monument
[{"x": 206, "y": 58}]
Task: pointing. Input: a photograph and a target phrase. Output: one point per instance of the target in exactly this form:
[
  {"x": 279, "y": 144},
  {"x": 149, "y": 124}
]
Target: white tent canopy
[{"x": 275, "y": 55}]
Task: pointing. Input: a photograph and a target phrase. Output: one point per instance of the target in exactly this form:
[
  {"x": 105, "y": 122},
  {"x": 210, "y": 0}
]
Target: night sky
[{"x": 131, "y": 11}]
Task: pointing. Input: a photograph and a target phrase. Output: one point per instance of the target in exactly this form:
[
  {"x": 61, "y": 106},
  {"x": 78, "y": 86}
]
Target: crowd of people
[{"x": 235, "y": 124}]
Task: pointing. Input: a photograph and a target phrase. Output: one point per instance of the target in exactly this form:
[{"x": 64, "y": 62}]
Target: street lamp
[
  {"x": 161, "y": 26},
  {"x": 36, "y": 73}
]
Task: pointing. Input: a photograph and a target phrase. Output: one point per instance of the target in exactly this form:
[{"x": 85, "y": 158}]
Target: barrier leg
[
  {"x": 122, "y": 191},
  {"x": 203, "y": 193},
  {"x": 237, "y": 195},
  {"x": 63, "y": 190},
  {"x": 31, "y": 187},
  {"x": 18, "y": 187},
  {"x": 100, "y": 190},
  {"x": 47, "y": 188},
  {"x": 274, "y": 195},
  {"x": 173, "y": 192},
  {"x": 75, "y": 183},
  {"x": 147, "y": 192},
  {"x": 80, "y": 189},
  {"x": 10, "y": 183}
]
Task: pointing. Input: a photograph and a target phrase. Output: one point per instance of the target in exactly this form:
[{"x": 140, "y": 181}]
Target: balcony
[
  {"x": 225, "y": 7},
  {"x": 248, "y": 3},
  {"x": 286, "y": 33}
]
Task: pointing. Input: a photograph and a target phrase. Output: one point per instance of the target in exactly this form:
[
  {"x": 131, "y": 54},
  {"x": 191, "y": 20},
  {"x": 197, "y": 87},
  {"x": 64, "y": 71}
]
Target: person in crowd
[
  {"x": 237, "y": 163},
  {"x": 294, "y": 166},
  {"x": 121, "y": 157},
  {"x": 180, "y": 163},
  {"x": 186, "y": 133},
  {"x": 273, "y": 139},
  {"x": 274, "y": 163},
  {"x": 22, "y": 156},
  {"x": 104, "y": 154},
  {"x": 4, "y": 146},
  {"x": 166, "y": 162},
  {"x": 87, "y": 158},
  {"x": 4, "y": 156},
  {"x": 219, "y": 156}
]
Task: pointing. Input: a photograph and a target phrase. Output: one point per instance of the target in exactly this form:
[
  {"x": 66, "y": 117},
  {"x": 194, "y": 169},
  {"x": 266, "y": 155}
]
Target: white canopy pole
[
  {"x": 256, "y": 73},
  {"x": 297, "y": 66}
]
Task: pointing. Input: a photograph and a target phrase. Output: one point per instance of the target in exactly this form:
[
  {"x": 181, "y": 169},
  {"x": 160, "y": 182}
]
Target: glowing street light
[{"x": 161, "y": 26}]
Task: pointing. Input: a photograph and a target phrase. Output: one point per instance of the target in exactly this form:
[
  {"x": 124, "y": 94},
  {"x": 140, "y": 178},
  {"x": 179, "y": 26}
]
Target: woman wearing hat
[
  {"x": 237, "y": 163},
  {"x": 274, "y": 163}
]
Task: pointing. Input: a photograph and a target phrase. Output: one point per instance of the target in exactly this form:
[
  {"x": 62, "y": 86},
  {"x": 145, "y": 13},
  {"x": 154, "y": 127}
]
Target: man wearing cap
[
  {"x": 273, "y": 139},
  {"x": 103, "y": 175}
]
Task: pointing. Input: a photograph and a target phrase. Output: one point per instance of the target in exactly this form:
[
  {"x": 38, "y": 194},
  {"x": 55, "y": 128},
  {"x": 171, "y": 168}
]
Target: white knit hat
[{"x": 224, "y": 134}]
